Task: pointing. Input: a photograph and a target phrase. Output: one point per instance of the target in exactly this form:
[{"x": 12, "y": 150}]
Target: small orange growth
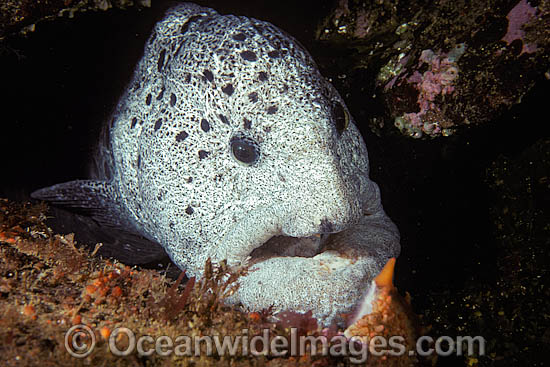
[
  {"x": 105, "y": 332},
  {"x": 385, "y": 278},
  {"x": 91, "y": 289},
  {"x": 103, "y": 291},
  {"x": 58, "y": 273},
  {"x": 254, "y": 316},
  {"x": 77, "y": 320},
  {"x": 7, "y": 237},
  {"x": 116, "y": 292},
  {"x": 29, "y": 310}
]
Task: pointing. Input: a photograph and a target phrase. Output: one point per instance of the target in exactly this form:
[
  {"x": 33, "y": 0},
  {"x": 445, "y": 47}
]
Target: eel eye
[
  {"x": 340, "y": 117},
  {"x": 244, "y": 150}
]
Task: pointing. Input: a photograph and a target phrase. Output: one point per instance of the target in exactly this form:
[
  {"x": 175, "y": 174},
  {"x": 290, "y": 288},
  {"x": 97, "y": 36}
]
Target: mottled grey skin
[{"x": 171, "y": 177}]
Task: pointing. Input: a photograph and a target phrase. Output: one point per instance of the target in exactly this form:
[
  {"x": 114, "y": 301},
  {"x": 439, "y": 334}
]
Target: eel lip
[
  {"x": 253, "y": 231},
  {"x": 286, "y": 246},
  {"x": 265, "y": 234}
]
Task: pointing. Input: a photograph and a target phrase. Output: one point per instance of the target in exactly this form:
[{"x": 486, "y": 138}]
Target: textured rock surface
[{"x": 439, "y": 67}]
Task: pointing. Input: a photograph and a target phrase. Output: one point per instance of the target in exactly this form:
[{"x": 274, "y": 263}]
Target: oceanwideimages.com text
[{"x": 80, "y": 341}]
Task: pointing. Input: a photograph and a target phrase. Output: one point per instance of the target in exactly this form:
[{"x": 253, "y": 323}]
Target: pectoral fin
[
  {"x": 91, "y": 210},
  {"x": 96, "y": 199}
]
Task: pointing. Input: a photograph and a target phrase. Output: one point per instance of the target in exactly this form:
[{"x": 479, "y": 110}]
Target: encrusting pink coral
[
  {"x": 437, "y": 80},
  {"x": 517, "y": 17}
]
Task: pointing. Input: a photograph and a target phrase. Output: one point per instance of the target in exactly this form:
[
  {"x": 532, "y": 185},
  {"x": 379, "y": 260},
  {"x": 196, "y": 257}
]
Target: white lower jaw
[{"x": 259, "y": 226}]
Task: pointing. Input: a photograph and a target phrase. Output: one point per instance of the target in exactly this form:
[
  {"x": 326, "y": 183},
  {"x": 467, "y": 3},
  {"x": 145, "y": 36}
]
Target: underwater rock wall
[{"x": 440, "y": 66}]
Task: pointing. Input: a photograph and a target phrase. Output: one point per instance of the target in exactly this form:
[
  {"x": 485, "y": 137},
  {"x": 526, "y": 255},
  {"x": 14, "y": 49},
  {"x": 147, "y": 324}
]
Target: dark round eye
[
  {"x": 340, "y": 117},
  {"x": 244, "y": 150}
]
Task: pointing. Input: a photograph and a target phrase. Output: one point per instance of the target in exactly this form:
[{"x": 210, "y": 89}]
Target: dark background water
[{"x": 63, "y": 81}]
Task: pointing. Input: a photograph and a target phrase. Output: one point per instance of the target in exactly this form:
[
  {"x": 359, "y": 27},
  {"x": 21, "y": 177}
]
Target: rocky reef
[
  {"x": 50, "y": 288},
  {"x": 439, "y": 67}
]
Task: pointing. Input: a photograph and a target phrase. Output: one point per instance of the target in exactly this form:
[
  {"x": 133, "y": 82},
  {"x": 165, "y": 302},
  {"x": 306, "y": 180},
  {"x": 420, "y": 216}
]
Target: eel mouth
[
  {"x": 263, "y": 234},
  {"x": 287, "y": 246}
]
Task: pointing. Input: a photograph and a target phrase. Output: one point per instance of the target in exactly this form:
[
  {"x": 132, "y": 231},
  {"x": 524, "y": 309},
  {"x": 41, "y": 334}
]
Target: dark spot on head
[
  {"x": 271, "y": 110},
  {"x": 160, "y": 95},
  {"x": 171, "y": 225},
  {"x": 247, "y": 123},
  {"x": 258, "y": 27},
  {"x": 134, "y": 122},
  {"x": 267, "y": 129},
  {"x": 160, "y": 196},
  {"x": 148, "y": 99},
  {"x": 158, "y": 124},
  {"x": 253, "y": 97},
  {"x": 273, "y": 54},
  {"x": 224, "y": 119},
  {"x": 206, "y": 20},
  {"x": 203, "y": 154},
  {"x": 249, "y": 56},
  {"x": 208, "y": 75},
  {"x": 205, "y": 125},
  {"x": 239, "y": 37},
  {"x": 189, "y": 179},
  {"x": 189, "y": 210},
  {"x": 188, "y": 22},
  {"x": 160, "y": 63},
  {"x": 172, "y": 99},
  {"x": 228, "y": 89},
  {"x": 181, "y": 136},
  {"x": 262, "y": 76}
]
